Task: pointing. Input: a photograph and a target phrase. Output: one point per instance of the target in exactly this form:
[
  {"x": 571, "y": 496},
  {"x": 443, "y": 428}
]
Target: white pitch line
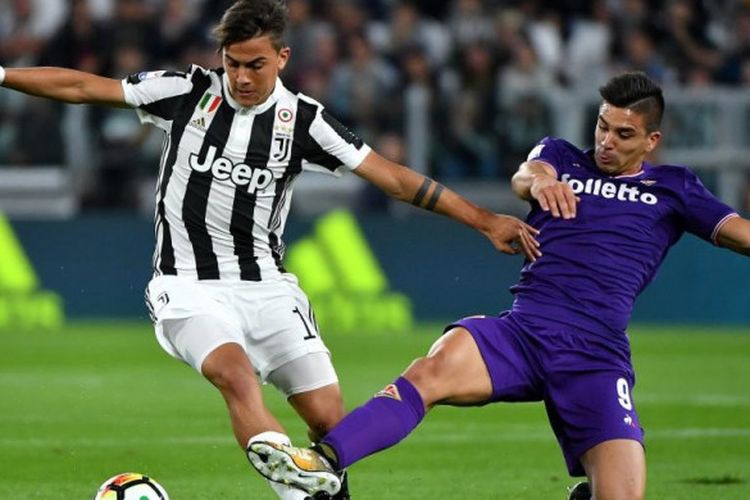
[
  {"x": 426, "y": 437},
  {"x": 128, "y": 442},
  {"x": 724, "y": 400}
]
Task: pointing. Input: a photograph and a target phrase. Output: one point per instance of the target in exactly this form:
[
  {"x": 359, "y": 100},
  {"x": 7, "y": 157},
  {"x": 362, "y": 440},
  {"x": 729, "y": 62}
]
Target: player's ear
[
  {"x": 654, "y": 138},
  {"x": 283, "y": 57}
]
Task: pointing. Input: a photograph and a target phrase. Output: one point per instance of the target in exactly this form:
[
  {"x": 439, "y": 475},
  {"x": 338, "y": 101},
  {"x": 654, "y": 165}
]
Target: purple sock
[{"x": 380, "y": 423}]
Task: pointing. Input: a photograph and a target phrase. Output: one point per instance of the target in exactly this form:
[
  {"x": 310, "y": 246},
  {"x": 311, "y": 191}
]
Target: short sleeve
[
  {"x": 156, "y": 95},
  {"x": 704, "y": 214},
  {"x": 548, "y": 151},
  {"x": 329, "y": 145}
]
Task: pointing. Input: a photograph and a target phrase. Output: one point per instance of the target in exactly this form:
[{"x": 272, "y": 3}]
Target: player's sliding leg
[
  {"x": 378, "y": 424},
  {"x": 452, "y": 373},
  {"x": 616, "y": 470}
]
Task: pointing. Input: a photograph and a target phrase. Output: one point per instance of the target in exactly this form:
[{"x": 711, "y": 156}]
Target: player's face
[
  {"x": 622, "y": 141},
  {"x": 252, "y": 66}
]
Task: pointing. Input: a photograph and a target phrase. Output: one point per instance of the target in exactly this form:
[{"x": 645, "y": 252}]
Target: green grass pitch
[{"x": 80, "y": 405}]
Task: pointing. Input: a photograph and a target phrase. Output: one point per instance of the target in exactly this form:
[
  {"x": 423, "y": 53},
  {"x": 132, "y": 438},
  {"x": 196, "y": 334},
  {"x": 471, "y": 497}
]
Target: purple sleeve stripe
[{"x": 721, "y": 223}]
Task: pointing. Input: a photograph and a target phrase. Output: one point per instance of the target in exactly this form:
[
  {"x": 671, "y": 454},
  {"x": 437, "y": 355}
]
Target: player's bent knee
[
  {"x": 426, "y": 376},
  {"x": 421, "y": 371},
  {"x": 228, "y": 376}
]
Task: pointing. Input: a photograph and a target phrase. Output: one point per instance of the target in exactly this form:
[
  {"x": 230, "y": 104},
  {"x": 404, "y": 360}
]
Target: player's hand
[
  {"x": 511, "y": 235},
  {"x": 554, "y": 196}
]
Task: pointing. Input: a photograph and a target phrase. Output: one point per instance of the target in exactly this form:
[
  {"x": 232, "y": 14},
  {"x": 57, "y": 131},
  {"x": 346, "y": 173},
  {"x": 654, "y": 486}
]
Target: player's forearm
[
  {"x": 434, "y": 197},
  {"x": 402, "y": 183},
  {"x": 523, "y": 180},
  {"x": 521, "y": 183},
  {"x": 61, "y": 84},
  {"x": 735, "y": 235}
]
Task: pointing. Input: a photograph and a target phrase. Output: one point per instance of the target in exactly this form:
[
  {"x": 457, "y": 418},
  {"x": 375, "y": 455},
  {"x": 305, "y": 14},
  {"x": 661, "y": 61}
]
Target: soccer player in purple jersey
[{"x": 607, "y": 218}]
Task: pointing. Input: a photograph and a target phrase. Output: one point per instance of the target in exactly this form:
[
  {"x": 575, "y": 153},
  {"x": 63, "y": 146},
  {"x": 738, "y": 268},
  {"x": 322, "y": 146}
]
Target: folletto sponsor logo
[{"x": 610, "y": 190}]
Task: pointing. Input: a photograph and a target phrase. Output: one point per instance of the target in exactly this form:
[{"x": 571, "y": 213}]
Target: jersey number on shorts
[
  {"x": 623, "y": 394},
  {"x": 311, "y": 317}
]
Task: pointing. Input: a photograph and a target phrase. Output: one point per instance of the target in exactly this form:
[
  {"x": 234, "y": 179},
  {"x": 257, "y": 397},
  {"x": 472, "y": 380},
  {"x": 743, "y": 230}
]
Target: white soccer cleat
[{"x": 300, "y": 468}]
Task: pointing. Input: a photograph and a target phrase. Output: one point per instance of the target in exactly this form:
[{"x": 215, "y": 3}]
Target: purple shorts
[{"x": 586, "y": 387}]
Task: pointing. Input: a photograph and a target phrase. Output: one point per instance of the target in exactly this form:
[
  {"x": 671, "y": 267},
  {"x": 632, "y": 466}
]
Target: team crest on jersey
[
  {"x": 390, "y": 391},
  {"x": 648, "y": 182},
  {"x": 281, "y": 148}
]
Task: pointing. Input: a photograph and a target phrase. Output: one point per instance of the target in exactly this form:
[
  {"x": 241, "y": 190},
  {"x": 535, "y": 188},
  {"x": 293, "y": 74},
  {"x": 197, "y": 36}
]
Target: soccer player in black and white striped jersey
[{"x": 235, "y": 140}]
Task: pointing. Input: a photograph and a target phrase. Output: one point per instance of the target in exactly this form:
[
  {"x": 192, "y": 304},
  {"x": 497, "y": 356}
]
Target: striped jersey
[{"x": 226, "y": 173}]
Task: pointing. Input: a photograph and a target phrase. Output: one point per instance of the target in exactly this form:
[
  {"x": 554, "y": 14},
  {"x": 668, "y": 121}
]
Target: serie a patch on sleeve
[{"x": 142, "y": 76}]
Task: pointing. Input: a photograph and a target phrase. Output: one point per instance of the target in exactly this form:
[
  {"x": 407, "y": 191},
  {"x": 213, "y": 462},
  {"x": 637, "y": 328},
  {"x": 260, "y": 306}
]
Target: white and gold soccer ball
[{"x": 131, "y": 486}]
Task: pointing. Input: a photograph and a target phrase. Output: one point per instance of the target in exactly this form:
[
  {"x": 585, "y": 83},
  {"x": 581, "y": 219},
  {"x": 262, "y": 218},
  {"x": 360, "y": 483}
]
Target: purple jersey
[{"x": 594, "y": 266}]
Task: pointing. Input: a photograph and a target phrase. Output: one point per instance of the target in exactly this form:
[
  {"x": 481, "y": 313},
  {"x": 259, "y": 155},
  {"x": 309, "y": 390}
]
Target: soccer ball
[{"x": 131, "y": 486}]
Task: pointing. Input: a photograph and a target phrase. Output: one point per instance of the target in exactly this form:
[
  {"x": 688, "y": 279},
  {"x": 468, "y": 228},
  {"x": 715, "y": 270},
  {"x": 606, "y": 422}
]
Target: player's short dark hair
[
  {"x": 247, "y": 19},
  {"x": 635, "y": 90}
]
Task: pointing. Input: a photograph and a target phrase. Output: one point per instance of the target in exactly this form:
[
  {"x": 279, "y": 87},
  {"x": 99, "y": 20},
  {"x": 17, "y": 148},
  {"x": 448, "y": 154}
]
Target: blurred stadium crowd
[{"x": 456, "y": 88}]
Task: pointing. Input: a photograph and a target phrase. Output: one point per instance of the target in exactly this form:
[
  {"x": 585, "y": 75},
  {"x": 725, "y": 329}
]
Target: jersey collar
[
  {"x": 258, "y": 108},
  {"x": 644, "y": 168}
]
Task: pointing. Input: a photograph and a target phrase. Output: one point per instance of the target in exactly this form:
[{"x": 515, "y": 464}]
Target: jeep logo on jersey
[
  {"x": 240, "y": 174},
  {"x": 610, "y": 190}
]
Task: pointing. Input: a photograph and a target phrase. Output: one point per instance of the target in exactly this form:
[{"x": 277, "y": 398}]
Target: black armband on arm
[
  {"x": 422, "y": 192},
  {"x": 434, "y": 198}
]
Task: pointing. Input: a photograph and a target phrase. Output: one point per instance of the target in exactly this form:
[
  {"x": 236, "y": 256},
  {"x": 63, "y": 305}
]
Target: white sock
[{"x": 283, "y": 491}]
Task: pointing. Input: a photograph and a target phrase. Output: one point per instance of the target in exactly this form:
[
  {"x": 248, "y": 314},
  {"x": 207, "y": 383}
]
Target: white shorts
[{"x": 272, "y": 320}]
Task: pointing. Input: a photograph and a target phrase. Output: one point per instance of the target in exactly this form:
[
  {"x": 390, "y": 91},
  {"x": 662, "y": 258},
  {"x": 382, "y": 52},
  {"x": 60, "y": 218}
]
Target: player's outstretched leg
[
  {"x": 300, "y": 468},
  {"x": 581, "y": 491}
]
